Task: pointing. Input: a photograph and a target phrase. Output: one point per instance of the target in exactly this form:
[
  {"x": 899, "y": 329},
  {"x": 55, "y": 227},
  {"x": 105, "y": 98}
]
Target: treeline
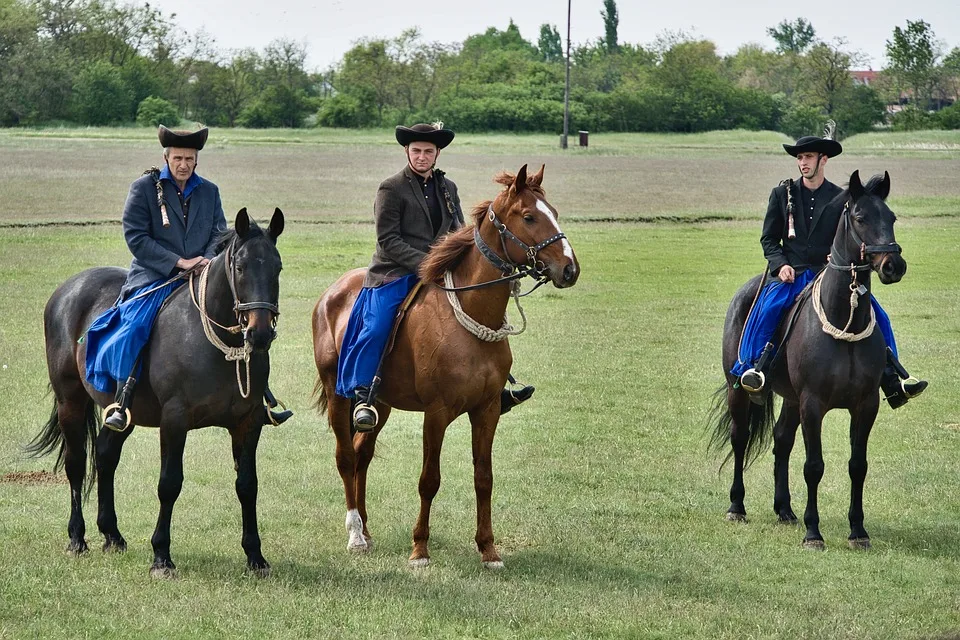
[{"x": 97, "y": 62}]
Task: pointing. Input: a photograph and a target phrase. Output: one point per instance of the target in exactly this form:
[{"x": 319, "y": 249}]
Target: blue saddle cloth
[
  {"x": 368, "y": 330},
  {"x": 119, "y": 334}
]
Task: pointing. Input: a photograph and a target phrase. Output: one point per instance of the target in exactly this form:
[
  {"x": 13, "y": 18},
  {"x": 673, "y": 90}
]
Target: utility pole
[{"x": 566, "y": 89}]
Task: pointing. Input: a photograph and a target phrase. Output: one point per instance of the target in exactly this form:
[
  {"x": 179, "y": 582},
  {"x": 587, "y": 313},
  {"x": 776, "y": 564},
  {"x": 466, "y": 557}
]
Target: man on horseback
[
  {"x": 412, "y": 210},
  {"x": 165, "y": 247},
  {"x": 798, "y": 231}
]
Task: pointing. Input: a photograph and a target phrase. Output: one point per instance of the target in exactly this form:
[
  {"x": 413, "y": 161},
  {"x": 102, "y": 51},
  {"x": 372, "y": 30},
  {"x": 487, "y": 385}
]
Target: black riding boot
[
  {"x": 365, "y": 416},
  {"x": 119, "y": 417},
  {"x": 509, "y": 397},
  {"x": 276, "y": 418},
  {"x": 898, "y": 385},
  {"x": 754, "y": 379}
]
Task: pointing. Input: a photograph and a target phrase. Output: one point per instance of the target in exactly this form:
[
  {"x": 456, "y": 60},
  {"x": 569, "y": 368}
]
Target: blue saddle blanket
[{"x": 119, "y": 334}]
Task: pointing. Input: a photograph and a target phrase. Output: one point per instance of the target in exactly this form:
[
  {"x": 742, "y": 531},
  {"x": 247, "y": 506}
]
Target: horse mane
[
  {"x": 227, "y": 235},
  {"x": 449, "y": 250}
]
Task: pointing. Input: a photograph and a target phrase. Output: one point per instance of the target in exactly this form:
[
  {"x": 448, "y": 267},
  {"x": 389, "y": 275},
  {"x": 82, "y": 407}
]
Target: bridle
[
  {"x": 533, "y": 267},
  {"x": 240, "y": 309}
]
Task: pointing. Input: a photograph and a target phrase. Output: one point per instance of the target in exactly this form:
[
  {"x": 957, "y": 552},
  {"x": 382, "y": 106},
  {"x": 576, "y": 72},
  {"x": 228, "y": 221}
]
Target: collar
[{"x": 193, "y": 181}]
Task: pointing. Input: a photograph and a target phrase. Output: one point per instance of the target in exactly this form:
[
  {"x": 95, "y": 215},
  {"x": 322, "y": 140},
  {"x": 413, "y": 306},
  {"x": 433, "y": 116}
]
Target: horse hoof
[
  {"x": 419, "y": 563},
  {"x": 493, "y": 565},
  {"x": 787, "y": 520},
  {"x": 736, "y": 517},
  {"x": 359, "y": 546},
  {"x": 262, "y": 571},
  {"x": 814, "y": 545},
  {"x": 114, "y": 546},
  {"x": 859, "y": 544},
  {"x": 76, "y": 549},
  {"x": 163, "y": 572}
]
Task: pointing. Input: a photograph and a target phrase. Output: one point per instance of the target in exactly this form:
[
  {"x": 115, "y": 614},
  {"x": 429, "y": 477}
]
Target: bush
[
  {"x": 949, "y": 118},
  {"x": 911, "y": 118},
  {"x": 344, "y": 110},
  {"x": 154, "y": 111},
  {"x": 100, "y": 96},
  {"x": 802, "y": 120}
]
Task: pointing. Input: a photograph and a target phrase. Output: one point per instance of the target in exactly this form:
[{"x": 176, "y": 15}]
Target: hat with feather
[
  {"x": 434, "y": 133},
  {"x": 813, "y": 144}
]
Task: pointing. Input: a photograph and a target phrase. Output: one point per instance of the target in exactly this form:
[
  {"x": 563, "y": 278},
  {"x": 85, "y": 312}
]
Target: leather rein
[
  {"x": 533, "y": 267},
  {"x": 866, "y": 250}
]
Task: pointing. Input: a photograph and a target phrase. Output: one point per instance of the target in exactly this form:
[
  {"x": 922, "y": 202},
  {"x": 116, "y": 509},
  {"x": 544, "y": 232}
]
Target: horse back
[{"x": 74, "y": 305}]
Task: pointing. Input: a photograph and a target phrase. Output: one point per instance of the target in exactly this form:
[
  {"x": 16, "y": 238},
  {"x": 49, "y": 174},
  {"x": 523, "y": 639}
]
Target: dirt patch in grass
[{"x": 34, "y": 478}]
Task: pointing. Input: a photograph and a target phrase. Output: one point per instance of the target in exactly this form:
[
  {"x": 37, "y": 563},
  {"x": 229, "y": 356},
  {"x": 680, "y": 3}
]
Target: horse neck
[
  {"x": 835, "y": 297},
  {"x": 486, "y": 305}
]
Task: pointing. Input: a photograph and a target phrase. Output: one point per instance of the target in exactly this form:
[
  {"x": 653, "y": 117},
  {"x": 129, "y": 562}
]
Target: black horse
[
  {"x": 186, "y": 382},
  {"x": 816, "y": 371}
]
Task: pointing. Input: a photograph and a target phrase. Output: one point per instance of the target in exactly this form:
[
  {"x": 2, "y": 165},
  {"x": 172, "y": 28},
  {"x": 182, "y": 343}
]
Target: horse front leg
[
  {"x": 172, "y": 442},
  {"x": 738, "y": 404},
  {"x": 339, "y": 418},
  {"x": 784, "y": 436},
  {"x": 861, "y": 422},
  {"x": 364, "y": 445},
  {"x": 811, "y": 416},
  {"x": 484, "y": 428},
  {"x": 109, "y": 446},
  {"x": 244, "y": 440},
  {"x": 434, "y": 429}
]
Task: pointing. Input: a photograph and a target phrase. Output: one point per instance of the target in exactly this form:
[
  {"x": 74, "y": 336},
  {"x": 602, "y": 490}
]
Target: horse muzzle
[
  {"x": 260, "y": 329},
  {"x": 565, "y": 274},
  {"x": 892, "y": 268}
]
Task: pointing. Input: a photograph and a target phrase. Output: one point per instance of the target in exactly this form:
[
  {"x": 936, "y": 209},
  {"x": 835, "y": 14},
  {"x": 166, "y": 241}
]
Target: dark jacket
[
  {"x": 156, "y": 248},
  {"x": 814, "y": 236},
  {"x": 404, "y": 229}
]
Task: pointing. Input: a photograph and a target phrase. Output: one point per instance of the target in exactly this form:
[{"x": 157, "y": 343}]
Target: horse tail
[
  {"x": 759, "y": 424},
  {"x": 320, "y": 396},
  {"x": 50, "y": 438}
]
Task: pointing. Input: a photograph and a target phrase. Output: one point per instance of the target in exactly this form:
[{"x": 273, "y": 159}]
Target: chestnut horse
[{"x": 436, "y": 366}]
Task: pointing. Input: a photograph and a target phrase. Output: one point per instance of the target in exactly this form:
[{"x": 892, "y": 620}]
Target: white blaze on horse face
[{"x": 567, "y": 249}]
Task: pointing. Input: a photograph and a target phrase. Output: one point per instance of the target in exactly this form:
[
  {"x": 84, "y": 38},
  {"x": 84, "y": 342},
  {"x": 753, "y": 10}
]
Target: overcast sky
[{"x": 330, "y": 27}]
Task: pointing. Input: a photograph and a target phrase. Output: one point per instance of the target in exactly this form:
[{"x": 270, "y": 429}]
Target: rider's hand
[
  {"x": 190, "y": 263},
  {"x": 786, "y": 274}
]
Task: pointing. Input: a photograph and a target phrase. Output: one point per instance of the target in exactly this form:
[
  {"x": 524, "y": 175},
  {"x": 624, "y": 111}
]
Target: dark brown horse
[
  {"x": 817, "y": 371},
  {"x": 436, "y": 365},
  {"x": 186, "y": 383}
]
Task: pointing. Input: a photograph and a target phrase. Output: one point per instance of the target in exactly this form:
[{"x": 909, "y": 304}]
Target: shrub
[{"x": 154, "y": 111}]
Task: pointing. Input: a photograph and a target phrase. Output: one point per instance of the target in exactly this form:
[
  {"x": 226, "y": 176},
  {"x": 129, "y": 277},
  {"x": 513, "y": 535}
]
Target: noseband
[{"x": 866, "y": 250}]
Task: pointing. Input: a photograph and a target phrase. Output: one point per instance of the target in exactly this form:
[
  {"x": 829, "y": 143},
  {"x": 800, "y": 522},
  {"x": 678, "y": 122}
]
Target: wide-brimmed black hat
[
  {"x": 182, "y": 139},
  {"x": 812, "y": 144},
  {"x": 434, "y": 133}
]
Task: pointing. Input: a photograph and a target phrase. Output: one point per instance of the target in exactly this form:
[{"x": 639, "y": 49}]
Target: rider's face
[
  {"x": 182, "y": 162},
  {"x": 808, "y": 165},
  {"x": 422, "y": 156}
]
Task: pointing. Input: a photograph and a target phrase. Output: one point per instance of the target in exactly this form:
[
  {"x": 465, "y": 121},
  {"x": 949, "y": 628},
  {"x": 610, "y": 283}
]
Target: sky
[{"x": 329, "y": 28}]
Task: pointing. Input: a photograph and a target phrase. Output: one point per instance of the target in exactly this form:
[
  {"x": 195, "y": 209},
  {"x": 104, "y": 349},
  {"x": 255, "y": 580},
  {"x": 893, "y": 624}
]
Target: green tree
[
  {"x": 154, "y": 111},
  {"x": 550, "y": 44},
  {"x": 827, "y": 80},
  {"x": 793, "y": 37},
  {"x": 913, "y": 54},
  {"x": 100, "y": 96},
  {"x": 611, "y": 20}
]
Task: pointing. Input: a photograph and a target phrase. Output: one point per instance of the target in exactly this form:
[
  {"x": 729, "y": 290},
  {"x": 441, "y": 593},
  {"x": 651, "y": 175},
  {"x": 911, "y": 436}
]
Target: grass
[{"x": 607, "y": 509}]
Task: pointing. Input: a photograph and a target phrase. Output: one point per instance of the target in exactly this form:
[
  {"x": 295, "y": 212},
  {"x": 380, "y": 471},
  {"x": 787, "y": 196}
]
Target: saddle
[{"x": 401, "y": 313}]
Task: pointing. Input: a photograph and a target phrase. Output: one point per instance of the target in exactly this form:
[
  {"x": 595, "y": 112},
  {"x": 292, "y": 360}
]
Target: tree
[
  {"x": 611, "y": 20},
  {"x": 550, "y": 44},
  {"x": 913, "y": 53},
  {"x": 100, "y": 96},
  {"x": 827, "y": 78},
  {"x": 793, "y": 37}
]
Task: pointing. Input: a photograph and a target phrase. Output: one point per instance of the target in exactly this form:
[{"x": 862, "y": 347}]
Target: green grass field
[{"x": 607, "y": 508}]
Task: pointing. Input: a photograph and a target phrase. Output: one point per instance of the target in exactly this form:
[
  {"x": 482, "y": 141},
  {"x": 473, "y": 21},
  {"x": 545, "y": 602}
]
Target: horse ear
[
  {"x": 242, "y": 223},
  {"x": 537, "y": 178},
  {"x": 276, "y": 224},
  {"x": 883, "y": 190},
  {"x": 520, "y": 182},
  {"x": 855, "y": 186}
]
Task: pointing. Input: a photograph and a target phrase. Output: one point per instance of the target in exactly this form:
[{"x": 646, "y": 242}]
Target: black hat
[
  {"x": 182, "y": 139},
  {"x": 812, "y": 144},
  {"x": 434, "y": 133}
]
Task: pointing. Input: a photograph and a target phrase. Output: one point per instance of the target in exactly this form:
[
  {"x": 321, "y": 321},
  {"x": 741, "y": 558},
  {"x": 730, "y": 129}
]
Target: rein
[{"x": 230, "y": 353}]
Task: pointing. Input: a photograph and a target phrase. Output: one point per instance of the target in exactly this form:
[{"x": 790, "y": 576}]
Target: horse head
[
  {"x": 867, "y": 229},
  {"x": 253, "y": 269},
  {"x": 529, "y": 229}
]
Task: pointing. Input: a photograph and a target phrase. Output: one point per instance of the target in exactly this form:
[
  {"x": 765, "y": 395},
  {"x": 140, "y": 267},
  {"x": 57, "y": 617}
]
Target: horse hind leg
[
  {"x": 109, "y": 445},
  {"x": 364, "y": 445},
  {"x": 340, "y": 420},
  {"x": 738, "y": 405}
]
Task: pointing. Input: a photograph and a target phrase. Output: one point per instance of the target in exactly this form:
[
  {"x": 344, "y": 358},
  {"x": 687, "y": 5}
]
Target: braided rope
[
  {"x": 481, "y": 331},
  {"x": 829, "y": 329},
  {"x": 229, "y": 353},
  {"x": 155, "y": 174}
]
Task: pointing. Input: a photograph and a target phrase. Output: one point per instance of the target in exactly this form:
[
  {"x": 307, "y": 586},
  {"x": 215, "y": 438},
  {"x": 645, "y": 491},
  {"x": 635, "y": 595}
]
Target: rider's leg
[
  {"x": 511, "y": 397},
  {"x": 897, "y": 385}
]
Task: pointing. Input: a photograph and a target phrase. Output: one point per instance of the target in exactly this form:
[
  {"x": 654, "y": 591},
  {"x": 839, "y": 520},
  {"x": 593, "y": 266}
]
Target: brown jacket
[{"x": 404, "y": 229}]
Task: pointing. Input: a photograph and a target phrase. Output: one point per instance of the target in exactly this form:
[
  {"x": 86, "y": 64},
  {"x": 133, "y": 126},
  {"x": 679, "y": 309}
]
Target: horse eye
[{"x": 528, "y": 218}]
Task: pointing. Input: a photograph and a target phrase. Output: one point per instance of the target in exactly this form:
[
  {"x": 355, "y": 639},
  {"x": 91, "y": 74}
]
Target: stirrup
[
  {"x": 749, "y": 388},
  {"x": 270, "y": 414},
  {"x": 107, "y": 413},
  {"x": 362, "y": 406},
  {"x": 911, "y": 380}
]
